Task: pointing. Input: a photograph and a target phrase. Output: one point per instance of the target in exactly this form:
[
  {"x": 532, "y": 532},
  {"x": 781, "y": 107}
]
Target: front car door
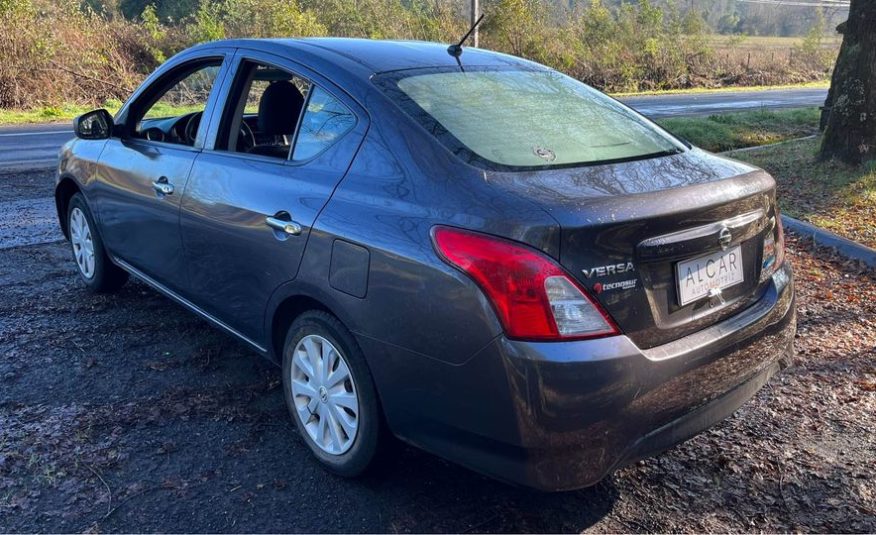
[
  {"x": 142, "y": 174},
  {"x": 285, "y": 140}
]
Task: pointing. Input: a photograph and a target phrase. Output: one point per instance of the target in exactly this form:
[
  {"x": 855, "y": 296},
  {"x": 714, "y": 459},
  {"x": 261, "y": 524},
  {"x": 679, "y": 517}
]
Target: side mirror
[{"x": 97, "y": 124}]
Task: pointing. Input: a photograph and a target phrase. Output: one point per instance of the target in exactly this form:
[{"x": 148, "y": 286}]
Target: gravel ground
[
  {"x": 126, "y": 413},
  {"x": 27, "y": 210}
]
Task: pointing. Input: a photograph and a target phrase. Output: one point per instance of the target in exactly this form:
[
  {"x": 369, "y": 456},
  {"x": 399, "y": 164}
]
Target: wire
[{"x": 814, "y": 3}]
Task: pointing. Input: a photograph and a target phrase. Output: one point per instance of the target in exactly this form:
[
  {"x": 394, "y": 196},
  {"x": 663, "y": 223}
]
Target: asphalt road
[
  {"x": 32, "y": 146},
  {"x": 37, "y": 145},
  {"x": 681, "y": 105}
]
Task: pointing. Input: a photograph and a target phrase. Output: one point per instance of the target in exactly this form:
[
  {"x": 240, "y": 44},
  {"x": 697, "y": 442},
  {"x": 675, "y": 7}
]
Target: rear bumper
[{"x": 559, "y": 416}]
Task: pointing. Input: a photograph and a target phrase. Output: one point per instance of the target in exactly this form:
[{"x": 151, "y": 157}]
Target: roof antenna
[{"x": 456, "y": 50}]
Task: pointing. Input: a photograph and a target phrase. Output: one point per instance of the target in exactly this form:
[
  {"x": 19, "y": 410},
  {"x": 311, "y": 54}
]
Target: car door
[
  {"x": 142, "y": 174},
  {"x": 248, "y": 208}
]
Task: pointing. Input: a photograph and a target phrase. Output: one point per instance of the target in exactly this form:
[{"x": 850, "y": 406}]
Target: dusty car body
[{"x": 407, "y": 237}]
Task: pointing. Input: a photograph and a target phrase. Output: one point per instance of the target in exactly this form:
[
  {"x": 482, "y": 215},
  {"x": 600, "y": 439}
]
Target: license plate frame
[{"x": 696, "y": 277}]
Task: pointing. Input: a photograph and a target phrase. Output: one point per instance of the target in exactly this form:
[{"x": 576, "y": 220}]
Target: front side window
[
  {"x": 325, "y": 121},
  {"x": 186, "y": 96},
  {"x": 522, "y": 119},
  {"x": 173, "y": 115}
]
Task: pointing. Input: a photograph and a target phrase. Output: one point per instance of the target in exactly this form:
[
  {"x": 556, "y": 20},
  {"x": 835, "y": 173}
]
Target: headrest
[{"x": 279, "y": 108}]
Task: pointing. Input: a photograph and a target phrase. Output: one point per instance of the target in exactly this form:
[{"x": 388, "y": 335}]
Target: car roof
[{"x": 373, "y": 56}]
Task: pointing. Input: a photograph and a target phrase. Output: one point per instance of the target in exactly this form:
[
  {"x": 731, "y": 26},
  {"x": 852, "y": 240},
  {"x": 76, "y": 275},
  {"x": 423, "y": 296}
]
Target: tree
[
  {"x": 515, "y": 25},
  {"x": 850, "y": 134}
]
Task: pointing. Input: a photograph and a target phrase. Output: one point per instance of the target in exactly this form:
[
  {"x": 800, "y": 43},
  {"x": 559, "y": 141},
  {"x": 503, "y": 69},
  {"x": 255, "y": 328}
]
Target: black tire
[
  {"x": 106, "y": 276},
  {"x": 365, "y": 447}
]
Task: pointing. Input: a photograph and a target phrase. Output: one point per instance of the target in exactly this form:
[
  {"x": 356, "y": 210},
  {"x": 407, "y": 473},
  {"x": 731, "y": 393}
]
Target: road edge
[
  {"x": 843, "y": 246},
  {"x": 731, "y": 152}
]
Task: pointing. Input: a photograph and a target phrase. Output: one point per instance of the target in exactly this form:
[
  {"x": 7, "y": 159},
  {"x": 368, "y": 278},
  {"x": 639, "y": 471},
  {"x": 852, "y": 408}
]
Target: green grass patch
[
  {"x": 162, "y": 109},
  {"x": 765, "y": 41},
  {"x": 829, "y": 194},
  {"x": 744, "y": 129},
  {"x": 51, "y": 114},
  {"x": 66, "y": 113},
  {"x": 818, "y": 84}
]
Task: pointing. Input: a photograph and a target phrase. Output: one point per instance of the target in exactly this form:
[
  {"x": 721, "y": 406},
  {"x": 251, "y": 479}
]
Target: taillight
[
  {"x": 780, "y": 240},
  {"x": 533, "y": 297},
  {"x": 773, "y": 248}
]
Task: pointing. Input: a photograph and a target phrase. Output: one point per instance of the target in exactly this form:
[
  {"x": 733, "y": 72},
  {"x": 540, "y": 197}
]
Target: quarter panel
[{"x": 400, "y": 186}]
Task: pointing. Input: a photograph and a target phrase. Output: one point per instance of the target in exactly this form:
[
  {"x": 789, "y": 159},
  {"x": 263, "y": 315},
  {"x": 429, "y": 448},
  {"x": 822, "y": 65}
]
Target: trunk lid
[{"x": 628, "y": 228}]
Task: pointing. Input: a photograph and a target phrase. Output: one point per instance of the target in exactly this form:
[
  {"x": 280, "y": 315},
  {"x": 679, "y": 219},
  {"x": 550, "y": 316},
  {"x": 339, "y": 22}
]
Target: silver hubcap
[
  {"x": 324, "y": 394},
  {"x": 83, "y": 246}
]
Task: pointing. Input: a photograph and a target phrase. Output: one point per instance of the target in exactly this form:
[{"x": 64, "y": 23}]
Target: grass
[
  {"x": 829, "y": 194},
  {"x": 744, "y": 129},
  {"x": 66, "y": 113},
  {"x": 766, "y": 41},
  {"x": 819, "y": 84},
  {"x": 49, "y": 114}
]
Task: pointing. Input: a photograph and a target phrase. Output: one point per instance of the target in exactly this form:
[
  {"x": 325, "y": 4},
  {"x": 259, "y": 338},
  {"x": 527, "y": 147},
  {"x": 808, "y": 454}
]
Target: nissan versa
[{"x": 474, "y": 253}]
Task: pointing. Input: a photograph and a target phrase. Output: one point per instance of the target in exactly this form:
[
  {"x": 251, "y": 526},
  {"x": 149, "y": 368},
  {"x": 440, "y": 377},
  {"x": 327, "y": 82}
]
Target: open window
[
  {"x": 171, "y": 110},
  {"x": 270, "y": 110},
  {"x": 265, "y": 108}
]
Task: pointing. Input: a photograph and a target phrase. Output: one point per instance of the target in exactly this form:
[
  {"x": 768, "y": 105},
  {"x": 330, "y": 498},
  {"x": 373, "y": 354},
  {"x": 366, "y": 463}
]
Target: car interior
[
  {"x": 173, "y": 115},
  {"x": 268, "y": 106}
]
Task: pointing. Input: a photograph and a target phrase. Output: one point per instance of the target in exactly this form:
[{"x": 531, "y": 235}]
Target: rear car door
[
  {"x": 286, "y": 138},
  {"x": 142, "y": 174}
]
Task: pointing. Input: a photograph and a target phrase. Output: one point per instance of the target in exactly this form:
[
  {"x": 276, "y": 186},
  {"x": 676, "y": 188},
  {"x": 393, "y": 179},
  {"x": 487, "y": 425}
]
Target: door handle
[
  {"x": 287, "y": 226},
  {"x": 162, "y": 186}
]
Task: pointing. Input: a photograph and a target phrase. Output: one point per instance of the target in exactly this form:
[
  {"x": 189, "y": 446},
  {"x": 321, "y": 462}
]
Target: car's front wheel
[
  {"x": 330, "y": 393},
  {"x": 95, "y": 268}
]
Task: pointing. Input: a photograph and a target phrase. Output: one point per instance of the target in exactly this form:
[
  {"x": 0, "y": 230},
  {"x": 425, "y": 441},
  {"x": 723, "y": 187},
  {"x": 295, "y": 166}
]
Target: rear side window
[
  {"x": 524, "y": 119},
  {"x": 263, "y": 111},
  {"x": 325, "y": 121}
]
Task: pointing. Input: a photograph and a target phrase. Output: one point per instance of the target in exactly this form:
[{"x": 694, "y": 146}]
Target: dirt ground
[{"x": 127, "y": 413}]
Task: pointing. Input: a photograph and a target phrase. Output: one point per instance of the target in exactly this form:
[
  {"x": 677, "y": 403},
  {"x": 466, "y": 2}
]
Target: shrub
[
  {"x": 54, "y": 52},
  {"x": 252, "y": 18}
]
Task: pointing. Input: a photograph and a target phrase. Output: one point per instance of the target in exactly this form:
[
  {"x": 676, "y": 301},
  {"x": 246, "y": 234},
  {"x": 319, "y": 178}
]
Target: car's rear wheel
[
  {"x": 95, "y": 268},
  {"x": 330, "y": 393}
]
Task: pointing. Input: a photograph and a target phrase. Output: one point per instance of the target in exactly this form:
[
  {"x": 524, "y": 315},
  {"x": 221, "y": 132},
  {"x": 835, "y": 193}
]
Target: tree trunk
[{"x": 851, "y": 128}]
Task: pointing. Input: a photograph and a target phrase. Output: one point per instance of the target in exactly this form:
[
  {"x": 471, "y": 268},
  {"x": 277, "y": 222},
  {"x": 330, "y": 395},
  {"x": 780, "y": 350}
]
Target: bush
[
  {"x": 252, "y": 18},
  {"x": 54, "y": 52},
  {"x": 427, "y": 20},
  {"x": 57, "y": 52},
  {"x": 812, "y": 53}
]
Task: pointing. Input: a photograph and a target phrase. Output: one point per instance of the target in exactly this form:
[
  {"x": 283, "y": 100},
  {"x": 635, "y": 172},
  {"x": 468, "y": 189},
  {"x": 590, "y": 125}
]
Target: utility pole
[{"x": 474, "y": 19}]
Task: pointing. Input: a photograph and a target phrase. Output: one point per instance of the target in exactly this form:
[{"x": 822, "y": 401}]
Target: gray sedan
[{"x": 473, "y": 253}]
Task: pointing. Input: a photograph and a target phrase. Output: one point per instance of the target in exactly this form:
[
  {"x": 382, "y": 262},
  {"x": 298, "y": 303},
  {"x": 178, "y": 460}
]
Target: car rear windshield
[{"x": 524, "y": 119}]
